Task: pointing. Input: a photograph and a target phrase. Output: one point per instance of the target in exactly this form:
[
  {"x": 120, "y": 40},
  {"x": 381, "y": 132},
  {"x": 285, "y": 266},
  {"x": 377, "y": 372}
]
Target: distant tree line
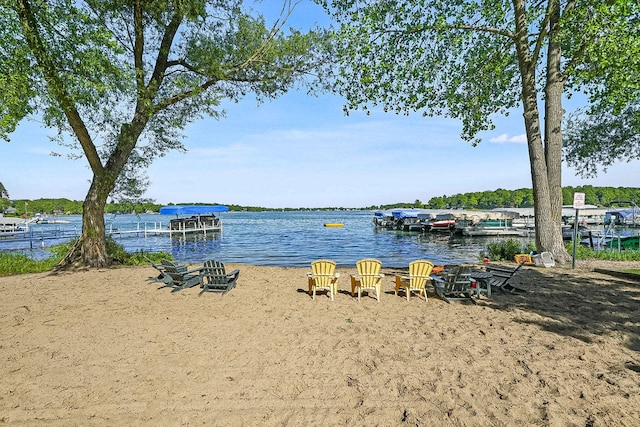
[
  {"x": 500, "y": 198},
  {"x": 74, "y": 207},
  {"x": 521, "y": 198}
]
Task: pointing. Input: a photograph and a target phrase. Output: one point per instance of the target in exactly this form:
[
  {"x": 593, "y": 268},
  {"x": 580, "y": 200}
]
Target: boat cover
[
  {"x": 192, "y": 209},
  {"x": 406, "y": 213},
  {"x": 629, "y": 213}
]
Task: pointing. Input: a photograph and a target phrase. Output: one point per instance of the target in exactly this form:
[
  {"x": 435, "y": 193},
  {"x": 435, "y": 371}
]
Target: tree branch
[
  {"x": 138, "y": 46},
  {"x": 163, "y": 52},
  {"x": 489, "y": 30},
  {"x": 544, "y": 28},
  {"x": 55, "y": 84}
]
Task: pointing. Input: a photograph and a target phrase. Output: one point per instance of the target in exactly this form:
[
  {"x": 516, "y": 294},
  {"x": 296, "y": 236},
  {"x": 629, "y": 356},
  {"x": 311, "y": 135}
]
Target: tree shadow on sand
[{"x": 584, "y": 305}]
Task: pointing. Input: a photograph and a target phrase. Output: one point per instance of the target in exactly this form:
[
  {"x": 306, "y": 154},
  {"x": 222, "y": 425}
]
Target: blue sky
[{"x": 302, "y": 151}]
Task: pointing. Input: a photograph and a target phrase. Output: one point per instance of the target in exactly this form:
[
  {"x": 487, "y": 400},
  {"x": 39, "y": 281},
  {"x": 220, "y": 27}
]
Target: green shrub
[{"x": 507, "y": 249}]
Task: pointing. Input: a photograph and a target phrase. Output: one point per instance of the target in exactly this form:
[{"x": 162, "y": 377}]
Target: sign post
[{"x": 578, "y": 203}]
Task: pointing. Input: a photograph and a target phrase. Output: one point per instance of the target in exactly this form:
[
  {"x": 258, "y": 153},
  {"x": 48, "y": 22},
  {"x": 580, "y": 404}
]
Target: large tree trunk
[
  {"x": 93, "y": 249},
  {"x": 541, "y": 193},
  {"x": 548, "y": 231},
  {"x": 553, "y": 132}
]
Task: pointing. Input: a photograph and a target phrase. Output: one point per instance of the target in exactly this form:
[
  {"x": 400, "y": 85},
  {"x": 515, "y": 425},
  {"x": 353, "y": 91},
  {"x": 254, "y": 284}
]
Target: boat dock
[
  {"x": 598, "y": 224},
  {"x": 22, "y": 234},
  {"x": 32, "y": 236},
  {"x": 174, "y": 229}
]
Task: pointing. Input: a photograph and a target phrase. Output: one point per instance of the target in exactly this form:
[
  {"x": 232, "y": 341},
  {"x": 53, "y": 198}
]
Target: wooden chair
[
  {"x": 214, "y": 278},
  {"x": 419, "y": 275},
  {"x": 368, "y": 277},
  {"x": 161, "y": 277},
  {"x": 323, "y": 276},
  {"x": 179, "y": 277},
  {"x": 455, "y": 285},
  {"x": 500, "y": 277}
]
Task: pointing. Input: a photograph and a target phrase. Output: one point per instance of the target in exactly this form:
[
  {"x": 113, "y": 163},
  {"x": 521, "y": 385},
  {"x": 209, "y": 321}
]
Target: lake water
[{"x": 290, "y": 239}]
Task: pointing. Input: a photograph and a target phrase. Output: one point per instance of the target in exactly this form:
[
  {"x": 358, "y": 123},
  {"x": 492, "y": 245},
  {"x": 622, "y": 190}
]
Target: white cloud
[
  {"x": 506, "y": 139},
  {"x": 519, "y": 139}
]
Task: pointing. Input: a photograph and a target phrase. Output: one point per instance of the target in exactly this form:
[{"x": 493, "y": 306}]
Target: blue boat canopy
[
  {"x": 406, "y": 213},
  {"x": 192, "y": 209}
]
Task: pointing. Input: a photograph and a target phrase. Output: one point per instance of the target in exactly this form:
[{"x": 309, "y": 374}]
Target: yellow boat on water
[{"x": 333, "y": 224}]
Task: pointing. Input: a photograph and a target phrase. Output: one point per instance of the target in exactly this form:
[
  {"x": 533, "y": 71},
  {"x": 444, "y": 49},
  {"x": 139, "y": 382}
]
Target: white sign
[{"x": 578, "y": 200}]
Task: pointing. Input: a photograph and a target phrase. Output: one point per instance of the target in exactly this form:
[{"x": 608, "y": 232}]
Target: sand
[{"x": 106, "y": 347}]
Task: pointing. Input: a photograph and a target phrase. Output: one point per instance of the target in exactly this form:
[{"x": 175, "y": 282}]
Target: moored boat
[
  {"x": 447, "y": 225},
  {"x": 629, "y": 216},
  {"x": 483, "y": 223},
  {"x": 407, "y": 219},
  {"x": 202, "y": 219}
]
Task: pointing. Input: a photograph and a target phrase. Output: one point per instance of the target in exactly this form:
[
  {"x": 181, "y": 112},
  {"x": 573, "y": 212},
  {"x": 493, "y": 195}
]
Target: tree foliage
[
  {"x": 3, "y": 191},
  {"x": 606, "y": 131},
  {"x": 597, "y": 138},
  {"x": 472, "y": 60},
  {"x": 423, "y": 56},
  {"x": 521, "y": 198},
  {"x": 467, "y": 60},
  {"x": 120, "y": 80}
]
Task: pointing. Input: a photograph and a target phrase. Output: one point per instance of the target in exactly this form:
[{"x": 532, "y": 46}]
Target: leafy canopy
[
  {"x": 450, "y": 58},
  {"x": 608, "y": 129},
  {"x": 155, "y": 64},
  {"x": 458, "y": 58}
]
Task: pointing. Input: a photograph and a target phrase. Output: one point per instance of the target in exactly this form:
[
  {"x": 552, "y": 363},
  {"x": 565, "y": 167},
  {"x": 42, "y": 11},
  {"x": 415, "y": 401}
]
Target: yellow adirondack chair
[
  {"x": 323, "y": 276},
  {"x": 368, "y": 277},
  {"x": 419, "y": 276}
]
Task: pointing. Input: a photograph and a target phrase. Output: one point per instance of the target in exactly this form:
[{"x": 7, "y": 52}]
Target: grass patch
[
  {"x": 12, "y": 263},
  {"x": 19, "y": 263},
  {"x": 583, "y": 253},
  {"x": 507, "y": 249}
]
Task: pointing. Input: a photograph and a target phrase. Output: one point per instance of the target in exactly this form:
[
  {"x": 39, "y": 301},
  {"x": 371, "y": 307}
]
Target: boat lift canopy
[{"x": 192, "y": 209}]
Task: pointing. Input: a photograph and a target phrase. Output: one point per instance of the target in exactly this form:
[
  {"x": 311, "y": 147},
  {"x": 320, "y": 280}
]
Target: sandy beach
[{"x": 106, "y": 347}]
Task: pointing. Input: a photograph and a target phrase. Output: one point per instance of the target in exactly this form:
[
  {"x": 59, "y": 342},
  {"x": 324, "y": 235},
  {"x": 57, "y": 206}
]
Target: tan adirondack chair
[
  {"x": 368, "y": 278},
  {"x": 323, "y": 276},
  {"x": 419, "y": 276}
]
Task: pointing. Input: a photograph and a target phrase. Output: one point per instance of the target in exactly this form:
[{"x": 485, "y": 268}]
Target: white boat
[
  {"x": 45, "y": 219},
  {"x": 483, "y": 223},
  {"x": 493, "y": 227}
]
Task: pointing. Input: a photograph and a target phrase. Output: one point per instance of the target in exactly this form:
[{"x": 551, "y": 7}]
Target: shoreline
[{"x": 105, "y": 347}]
